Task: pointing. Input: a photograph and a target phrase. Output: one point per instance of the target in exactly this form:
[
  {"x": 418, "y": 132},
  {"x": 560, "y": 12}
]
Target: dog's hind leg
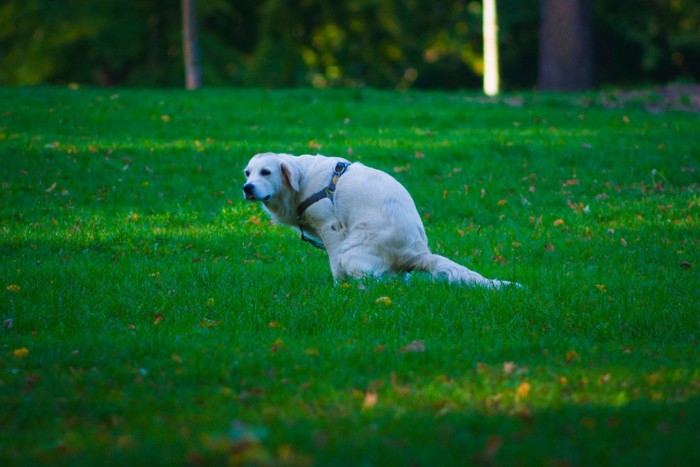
[{"x": 358, "y": 262}]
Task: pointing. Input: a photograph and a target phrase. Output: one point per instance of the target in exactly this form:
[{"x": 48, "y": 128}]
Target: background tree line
[{"x": 323, "y": 43}]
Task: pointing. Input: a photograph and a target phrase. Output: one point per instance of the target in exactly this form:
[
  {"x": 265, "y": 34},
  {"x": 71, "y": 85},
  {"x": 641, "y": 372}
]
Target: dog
[{"x": 363, "y": 217}]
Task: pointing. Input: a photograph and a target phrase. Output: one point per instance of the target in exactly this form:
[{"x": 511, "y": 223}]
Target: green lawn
[{"x": 153, "y": 317}]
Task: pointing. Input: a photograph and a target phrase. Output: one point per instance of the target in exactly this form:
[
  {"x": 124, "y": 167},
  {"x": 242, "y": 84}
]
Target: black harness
[{"x": 327, "y": 192}]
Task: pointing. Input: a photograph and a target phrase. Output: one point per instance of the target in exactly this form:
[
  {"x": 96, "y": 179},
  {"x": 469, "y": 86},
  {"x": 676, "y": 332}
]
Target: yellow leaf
[
  {"x": 558, "y": 222},
  {"x": 14, "y": 288},
  {"x": 601, "y": 287},
  {"x": 311, "y": 352},
  {"x": 523, "y": 390},
  {"x": 274, "y": 324},
  {"x": 501, "y": 202},
  {"x": 21, "y": 352},
  {"x": 384, "y": 300}
]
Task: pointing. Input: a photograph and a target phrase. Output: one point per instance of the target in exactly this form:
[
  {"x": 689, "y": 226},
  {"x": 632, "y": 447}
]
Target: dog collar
[{"x": 327, "y": 192}]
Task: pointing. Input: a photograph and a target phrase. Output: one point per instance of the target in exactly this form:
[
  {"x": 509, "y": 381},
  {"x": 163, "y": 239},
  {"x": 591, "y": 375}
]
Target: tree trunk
[
  {"x": 491, "y": 74},
  {"x": 565, "y": 45},
  {"x": 190, "y": 45}
]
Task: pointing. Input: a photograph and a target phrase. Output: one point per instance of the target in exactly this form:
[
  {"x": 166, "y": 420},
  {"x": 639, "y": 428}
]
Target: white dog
[{"x": 365, "y": 219}]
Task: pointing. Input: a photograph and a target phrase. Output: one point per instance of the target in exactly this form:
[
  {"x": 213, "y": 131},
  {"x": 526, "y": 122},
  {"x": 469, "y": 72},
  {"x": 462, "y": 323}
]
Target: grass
[{"x": 151, "y": 316}]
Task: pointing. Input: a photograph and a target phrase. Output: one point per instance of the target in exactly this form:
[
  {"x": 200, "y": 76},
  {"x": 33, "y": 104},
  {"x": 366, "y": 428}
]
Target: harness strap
[{"x": 326, "y": 192}]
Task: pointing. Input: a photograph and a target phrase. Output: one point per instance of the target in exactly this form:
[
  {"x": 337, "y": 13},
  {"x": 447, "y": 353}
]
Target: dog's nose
[{"x": 248, "y": 188}]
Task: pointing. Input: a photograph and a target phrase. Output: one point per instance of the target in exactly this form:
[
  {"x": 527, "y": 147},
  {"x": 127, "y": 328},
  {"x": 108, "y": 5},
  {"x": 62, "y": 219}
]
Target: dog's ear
[{"x": 291, "y": 175}]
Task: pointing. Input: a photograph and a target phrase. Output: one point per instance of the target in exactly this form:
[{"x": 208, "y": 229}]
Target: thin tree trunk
[
  {"x": 491, "y": 73},
  {"x": 190, "y": 45},
  {"x": 565, "y": 45}
]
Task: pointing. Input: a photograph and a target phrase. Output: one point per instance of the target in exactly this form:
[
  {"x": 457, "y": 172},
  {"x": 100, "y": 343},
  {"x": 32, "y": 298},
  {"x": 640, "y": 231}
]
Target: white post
[{"x": 491, "y": 74}]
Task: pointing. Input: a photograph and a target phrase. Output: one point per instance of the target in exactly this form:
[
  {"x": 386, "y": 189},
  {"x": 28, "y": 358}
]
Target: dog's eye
[
  {"x": 247, "y": 173},
  {"x": 265, "y": 172}
]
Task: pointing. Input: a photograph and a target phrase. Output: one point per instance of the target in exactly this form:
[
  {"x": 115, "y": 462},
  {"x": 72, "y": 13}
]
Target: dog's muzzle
[{"x": 249, "y": 192}]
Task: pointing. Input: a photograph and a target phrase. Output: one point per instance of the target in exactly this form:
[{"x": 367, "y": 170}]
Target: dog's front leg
[{"x": 332, "y": 234}]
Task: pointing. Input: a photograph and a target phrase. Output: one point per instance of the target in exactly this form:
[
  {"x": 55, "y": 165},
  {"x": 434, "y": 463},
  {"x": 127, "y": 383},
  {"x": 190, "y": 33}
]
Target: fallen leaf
[
  {"x": 493, "y": 445},
  {"x": 311, "y": 352},
  {"x": 384, "y": 301},
  {"x": 686, "y": 265},
  {"x": 370, "y": 400},
  {"x": 601, "y": 287},
  {"x": 415, "y": 346},
  {"x": 158, "y": 318},
  {"x": 274, "y": 324},
  {"x": 209, "y": 323},
  {"x": 51, "y": 188},
  {"x": 523, "y": 390},
  {"x": 571, "y": 356},
  {"x": 278, "y": 345},
  {"x": 14, "y": 288},
  {"x": 502, "y": 202},
  {"x": 21, "y": 352},
  {"x": 509, "y": 367},
  {"x": 558, "y": 222}
]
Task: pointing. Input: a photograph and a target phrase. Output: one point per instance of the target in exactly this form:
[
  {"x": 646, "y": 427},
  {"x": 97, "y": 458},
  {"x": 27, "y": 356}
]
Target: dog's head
[{"x": 269, "y": 174}]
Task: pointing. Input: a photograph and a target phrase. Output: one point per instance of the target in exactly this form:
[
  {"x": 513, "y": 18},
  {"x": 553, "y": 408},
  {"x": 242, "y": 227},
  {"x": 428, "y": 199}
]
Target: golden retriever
[{"x": 364, "y": 218}]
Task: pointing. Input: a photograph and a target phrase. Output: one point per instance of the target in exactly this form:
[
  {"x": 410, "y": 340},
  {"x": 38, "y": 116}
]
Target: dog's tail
[{"x": 444, "y": 268}]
